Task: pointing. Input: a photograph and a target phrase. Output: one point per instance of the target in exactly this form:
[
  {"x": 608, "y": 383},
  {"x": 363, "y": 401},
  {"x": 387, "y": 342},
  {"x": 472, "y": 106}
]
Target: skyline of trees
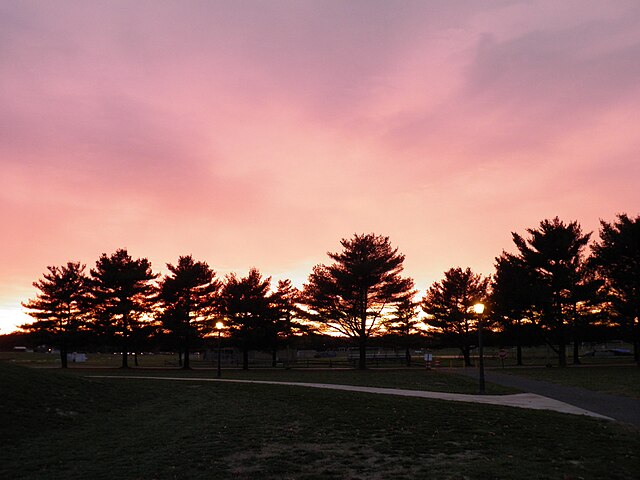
[{"x": 549, "y": 284}]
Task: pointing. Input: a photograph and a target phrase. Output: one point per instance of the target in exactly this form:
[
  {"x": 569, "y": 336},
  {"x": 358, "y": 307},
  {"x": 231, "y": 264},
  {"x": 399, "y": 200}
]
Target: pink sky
[{"x": 259, "y": 133}]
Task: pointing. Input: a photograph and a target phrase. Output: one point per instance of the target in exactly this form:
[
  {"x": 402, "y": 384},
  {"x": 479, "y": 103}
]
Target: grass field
[
  {"x": 618, "y": 380},
  {"x": 418, "y": 379},
  {"x": 59, "y": 425}
]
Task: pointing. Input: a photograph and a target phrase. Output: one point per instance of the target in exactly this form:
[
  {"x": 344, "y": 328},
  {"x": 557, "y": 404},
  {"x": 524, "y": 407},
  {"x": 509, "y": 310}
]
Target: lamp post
[
  {"x": 478, "y": 308},
  {"x": 219, "y": 326}
]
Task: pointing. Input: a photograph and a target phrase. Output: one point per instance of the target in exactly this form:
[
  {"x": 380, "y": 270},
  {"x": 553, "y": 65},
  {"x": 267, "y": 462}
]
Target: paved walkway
[
  {"x": 622, "y": 409},
  {"x": 519, "y": 400}
]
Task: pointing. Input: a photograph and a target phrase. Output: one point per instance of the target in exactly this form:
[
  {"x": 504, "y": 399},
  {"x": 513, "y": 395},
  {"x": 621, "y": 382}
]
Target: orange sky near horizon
[{"x": 258, "y": 134}]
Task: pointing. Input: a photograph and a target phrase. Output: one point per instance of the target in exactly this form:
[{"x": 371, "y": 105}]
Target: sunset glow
[{"x": 258, "y": 134}]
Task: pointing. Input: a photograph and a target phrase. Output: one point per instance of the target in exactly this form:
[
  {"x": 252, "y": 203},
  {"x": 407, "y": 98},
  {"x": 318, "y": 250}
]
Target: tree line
[{"x": 556, "y": 283}]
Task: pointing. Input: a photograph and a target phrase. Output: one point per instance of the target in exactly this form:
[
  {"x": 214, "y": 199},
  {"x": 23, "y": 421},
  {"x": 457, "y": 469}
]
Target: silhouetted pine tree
[
  {"x": 247, "y": 307},
  {"x": 351, "y": 295},
  {"x": 554, "y": 252},
  {"x": 514, "y": 296},
  {"x": 187, "y": 301},
  {"x": 403, "y": 322},
  {"x": 616, "y": 258},
  {"x": 288, "y": 317},
  {"x": 122, "y": 291},
  {"x": 59, "y": 309},
  {"x": 449, "y": 307}
]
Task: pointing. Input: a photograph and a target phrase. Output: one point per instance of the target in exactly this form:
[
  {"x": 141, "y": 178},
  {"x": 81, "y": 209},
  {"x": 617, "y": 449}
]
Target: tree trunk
[
  {"x": 562, "y": 347},
  {"x": 635, "y": 336},
  {"x": 466, "y": 353},
  {"x": 362, "y": 361},
  {"x": 559, "y": 322},
  {"x": 289, "y": 361},
  {"x": 245, "y": 358},
  {"x": 407, "y": 356},
  {"x": 186, "y": 365},
  {"x": 362, "y": 347},
  {"x": 63, "y": 356},
  {"x": 274, "y": 357},
  {"x": 125, "y": 346},
  {"x": 575, "y": 334},
  {"x": 125, "y": 353},
  {"x": 576, "y": 350},
  {"x": 562, "y": 354},
  {"x": 518, "y": 343}
]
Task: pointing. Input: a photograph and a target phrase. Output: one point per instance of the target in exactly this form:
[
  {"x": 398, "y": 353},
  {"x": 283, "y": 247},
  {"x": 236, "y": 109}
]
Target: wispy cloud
[{"x": 260, "y": 133}]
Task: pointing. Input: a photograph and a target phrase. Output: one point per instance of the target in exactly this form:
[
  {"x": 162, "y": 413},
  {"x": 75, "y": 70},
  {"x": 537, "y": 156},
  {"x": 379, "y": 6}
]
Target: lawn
[
  {"x": 61, "y": 426},
  {"x": 617, "y": 380},
  {"x": 411, "y": 379}
]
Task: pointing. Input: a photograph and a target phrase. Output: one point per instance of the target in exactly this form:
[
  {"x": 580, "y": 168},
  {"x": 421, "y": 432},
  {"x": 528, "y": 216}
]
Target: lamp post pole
[
  {"x": 219, "y": 328},
  {"x": 479, "y": 309}
]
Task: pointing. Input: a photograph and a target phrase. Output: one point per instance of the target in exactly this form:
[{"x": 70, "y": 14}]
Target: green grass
[
  {"x": 617, "y": 380},
  {"x": 61, "y": 426},
  {"x": 93, "y": 359},
  {"x": 422, "y": 379}
]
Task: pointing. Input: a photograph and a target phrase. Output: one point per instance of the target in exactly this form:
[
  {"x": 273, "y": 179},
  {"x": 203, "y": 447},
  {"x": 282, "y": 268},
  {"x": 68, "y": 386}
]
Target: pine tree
[
  {"x": 555, "y": 253},
  {"x": 404, "y": 323},
  {"x": 448, "y": 305},
  {"x": 60, "y": 308},
  {"x": 616, "y": 258},
  {"x": 122, "y": 291},
  {"x": 247, "y": 306},
  {"x": 187, "y": 299},
  {"x": 351, "y": 295}
]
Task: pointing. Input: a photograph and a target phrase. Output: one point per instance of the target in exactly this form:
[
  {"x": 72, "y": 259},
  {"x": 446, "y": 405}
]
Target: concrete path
[
  {"x": 622, "y": 409},
  {"x": 519, "y": 400}
]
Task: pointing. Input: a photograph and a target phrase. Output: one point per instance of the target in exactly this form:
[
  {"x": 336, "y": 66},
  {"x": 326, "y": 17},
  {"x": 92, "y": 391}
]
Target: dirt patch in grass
[{"x": 339, "y": 460}]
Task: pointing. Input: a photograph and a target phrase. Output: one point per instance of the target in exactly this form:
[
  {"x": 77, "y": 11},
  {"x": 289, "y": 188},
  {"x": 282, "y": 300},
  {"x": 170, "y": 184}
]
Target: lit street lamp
[
  {"x": 478, "y": 308},
  {"x": 219, "y": 326}
]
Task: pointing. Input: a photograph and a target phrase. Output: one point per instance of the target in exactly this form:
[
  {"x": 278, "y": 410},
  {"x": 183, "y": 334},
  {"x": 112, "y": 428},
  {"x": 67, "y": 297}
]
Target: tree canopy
[
  {"x": 122, "y": 293},
  {"x": 514, "y": 294},
  {"x": 187, "y": 300},
  {"x": 448, "y": 305},
  {"x": 616, "y": 258},
  {"x": 403, "y": 322},
  {"x": 60, "y": 308},
  {"x": 554, "y": 254},
  {"x": 350, "y": 295},
  {"x": 545, "y": 290},
  {"x": 247, "y": 307}
]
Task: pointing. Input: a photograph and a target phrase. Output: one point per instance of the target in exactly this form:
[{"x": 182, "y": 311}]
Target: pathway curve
[
  {"x": 622, "y": 409},
  {"x": 519, "y": 400}
]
